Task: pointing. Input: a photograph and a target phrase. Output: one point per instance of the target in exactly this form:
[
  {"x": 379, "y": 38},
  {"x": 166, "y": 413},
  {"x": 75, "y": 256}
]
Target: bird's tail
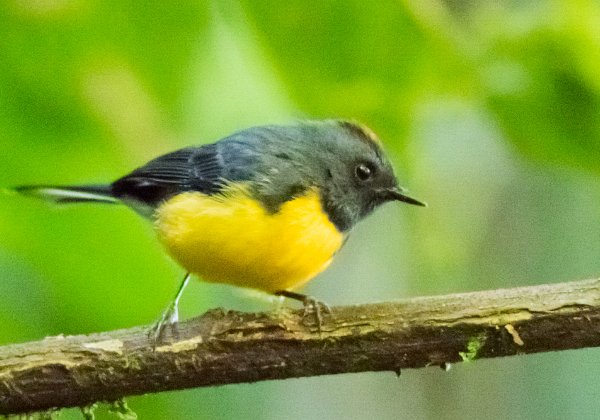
[{"x": 70, "y": 194}]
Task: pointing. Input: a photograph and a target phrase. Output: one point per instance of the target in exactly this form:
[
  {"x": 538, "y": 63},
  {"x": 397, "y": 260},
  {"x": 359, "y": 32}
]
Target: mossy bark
[{"x": 231, "y": 347}]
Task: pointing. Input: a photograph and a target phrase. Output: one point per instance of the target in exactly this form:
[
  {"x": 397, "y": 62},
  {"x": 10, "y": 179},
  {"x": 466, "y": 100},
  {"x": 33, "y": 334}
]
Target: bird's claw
[
  {"x": 170, "y": 316},
  {"x": 314, "y": 309}
]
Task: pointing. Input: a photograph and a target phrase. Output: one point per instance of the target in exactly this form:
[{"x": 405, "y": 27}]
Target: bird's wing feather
[{"x": 190, "y": 169}]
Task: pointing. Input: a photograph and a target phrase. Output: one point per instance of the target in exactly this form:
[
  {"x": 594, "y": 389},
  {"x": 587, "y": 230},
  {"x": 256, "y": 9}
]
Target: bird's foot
[
  {"x": 170, "y": 316},
  {"x": 313, "y": 308}
]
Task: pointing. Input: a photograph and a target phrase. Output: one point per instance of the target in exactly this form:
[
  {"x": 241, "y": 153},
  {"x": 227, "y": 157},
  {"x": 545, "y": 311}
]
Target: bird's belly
[{"x": 231, "y": 238}]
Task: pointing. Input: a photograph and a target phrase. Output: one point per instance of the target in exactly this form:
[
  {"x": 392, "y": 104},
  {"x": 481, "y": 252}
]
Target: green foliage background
[{"x": 489, "y": 109}]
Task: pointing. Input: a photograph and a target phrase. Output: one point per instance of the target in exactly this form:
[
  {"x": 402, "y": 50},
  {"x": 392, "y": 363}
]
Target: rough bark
[{"x": 231, "y": 347}]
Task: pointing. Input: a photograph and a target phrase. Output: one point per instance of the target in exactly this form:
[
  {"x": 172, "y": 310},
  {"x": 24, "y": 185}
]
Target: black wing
[{"x": 190, "y": 169}]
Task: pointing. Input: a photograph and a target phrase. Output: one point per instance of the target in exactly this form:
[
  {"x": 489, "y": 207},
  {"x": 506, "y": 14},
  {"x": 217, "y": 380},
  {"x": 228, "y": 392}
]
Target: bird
[{"x": 266, "y": 208}]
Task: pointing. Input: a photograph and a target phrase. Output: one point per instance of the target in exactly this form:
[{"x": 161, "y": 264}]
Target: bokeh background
[{"x": 490, "y": 111}]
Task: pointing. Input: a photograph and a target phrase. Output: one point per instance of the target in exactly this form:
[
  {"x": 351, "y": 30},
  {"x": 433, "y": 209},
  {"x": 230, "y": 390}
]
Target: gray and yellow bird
[{"x": 265, "y": 208}]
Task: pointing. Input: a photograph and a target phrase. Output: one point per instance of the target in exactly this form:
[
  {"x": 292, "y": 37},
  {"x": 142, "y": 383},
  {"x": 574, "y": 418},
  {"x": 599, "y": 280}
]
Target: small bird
[{"x": 264, "y": 208}]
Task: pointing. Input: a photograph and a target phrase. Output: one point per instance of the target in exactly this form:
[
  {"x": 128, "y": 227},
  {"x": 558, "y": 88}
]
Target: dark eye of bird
[{"x": 364, "y": 171}]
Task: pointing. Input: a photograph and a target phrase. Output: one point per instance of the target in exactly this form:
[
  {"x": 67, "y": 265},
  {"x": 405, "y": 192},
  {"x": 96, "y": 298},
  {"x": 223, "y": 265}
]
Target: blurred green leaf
[
  {"x": 363, "y": 60},
  {"x": 539, "y": 68}
]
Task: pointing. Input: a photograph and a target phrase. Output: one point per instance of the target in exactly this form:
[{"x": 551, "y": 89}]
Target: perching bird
[{"x": 265, "y": 208}]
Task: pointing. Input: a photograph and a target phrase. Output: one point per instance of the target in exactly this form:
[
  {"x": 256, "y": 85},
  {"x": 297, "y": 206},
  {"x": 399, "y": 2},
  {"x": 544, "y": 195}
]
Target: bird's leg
[
  {"x": 312, "y": 307},
  {"x": 170, "y": 315}
]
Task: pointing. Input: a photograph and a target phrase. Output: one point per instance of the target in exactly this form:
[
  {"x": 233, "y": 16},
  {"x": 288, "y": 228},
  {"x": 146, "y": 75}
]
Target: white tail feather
[{"x": 68, "y": 194}]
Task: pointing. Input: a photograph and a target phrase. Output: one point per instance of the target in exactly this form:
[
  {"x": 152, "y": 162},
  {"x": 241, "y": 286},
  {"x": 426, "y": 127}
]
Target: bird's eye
[{"x": 364, "y": 171}]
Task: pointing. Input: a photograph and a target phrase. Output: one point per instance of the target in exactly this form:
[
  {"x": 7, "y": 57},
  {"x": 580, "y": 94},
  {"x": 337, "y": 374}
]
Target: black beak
[{"x": 396, "y": 193}]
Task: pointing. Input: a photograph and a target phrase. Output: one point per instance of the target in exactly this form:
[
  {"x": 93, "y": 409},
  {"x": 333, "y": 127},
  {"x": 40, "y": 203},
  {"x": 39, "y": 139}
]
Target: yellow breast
[{"x": 230, "y": 238}]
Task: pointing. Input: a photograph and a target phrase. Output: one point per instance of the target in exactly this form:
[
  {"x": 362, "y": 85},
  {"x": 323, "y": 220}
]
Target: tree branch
[{"x": 222, "y": 348}]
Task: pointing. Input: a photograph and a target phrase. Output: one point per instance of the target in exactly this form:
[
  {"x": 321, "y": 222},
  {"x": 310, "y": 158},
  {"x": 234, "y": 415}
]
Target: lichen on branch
[{"x": 232, "y": 347}]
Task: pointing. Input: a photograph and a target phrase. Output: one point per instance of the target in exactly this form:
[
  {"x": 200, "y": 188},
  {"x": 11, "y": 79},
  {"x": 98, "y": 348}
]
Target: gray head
[{"x": 343, "y": 160}]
